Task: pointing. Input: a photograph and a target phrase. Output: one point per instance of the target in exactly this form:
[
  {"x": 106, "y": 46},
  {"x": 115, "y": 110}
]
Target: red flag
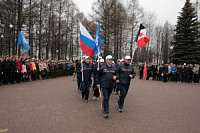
[
  {"x": 145, "y": 70},
  {"x": 142, "y": 39}
]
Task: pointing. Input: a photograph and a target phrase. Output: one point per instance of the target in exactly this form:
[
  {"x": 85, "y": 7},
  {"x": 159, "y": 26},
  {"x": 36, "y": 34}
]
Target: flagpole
[
  {"x": 98, "y": 58},
  {"x": 82, "y": 63},
  {"x": 133, "y": 53}
]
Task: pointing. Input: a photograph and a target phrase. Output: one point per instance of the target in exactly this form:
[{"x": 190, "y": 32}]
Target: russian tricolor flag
[{"x": 88, "y": 44}]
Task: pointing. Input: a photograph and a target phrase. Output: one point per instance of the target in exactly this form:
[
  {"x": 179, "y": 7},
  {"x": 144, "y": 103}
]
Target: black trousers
[{"x": 85, "y": 86}]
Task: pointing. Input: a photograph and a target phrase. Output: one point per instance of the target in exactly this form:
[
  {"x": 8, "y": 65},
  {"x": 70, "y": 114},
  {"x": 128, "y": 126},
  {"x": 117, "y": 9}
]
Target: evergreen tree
[{"x": 186, "y": 44}]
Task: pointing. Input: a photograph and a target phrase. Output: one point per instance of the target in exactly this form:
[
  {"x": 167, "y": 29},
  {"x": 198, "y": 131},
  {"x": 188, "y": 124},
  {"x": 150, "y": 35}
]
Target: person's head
[
  {"x": 109, "y": 59},
  {"x": 118, "y": 62},
  {"x": 87, "y": 59},
  {"x": 127, "y": 60},
  {"x": 113, "y": 63},
  {"x": 6, "y": 57},
  {"x": 101, "y": 62}
]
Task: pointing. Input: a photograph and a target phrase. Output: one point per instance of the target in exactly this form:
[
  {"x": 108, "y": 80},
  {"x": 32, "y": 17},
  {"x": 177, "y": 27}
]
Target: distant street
[{"x": 55, "y": 106}]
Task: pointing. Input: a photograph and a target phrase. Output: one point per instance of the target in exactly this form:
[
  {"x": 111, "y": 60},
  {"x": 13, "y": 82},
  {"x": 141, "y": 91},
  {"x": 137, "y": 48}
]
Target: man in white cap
[
  {"x": 96, "y": 70},
  {"x": 124, "y": 75},
  {"x": 87, "y": 78},
  {"x": 106, "y": 78}
]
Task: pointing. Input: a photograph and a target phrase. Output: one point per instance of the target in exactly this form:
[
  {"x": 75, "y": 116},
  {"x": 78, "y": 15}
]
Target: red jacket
[{"x": 18, "y": 65}]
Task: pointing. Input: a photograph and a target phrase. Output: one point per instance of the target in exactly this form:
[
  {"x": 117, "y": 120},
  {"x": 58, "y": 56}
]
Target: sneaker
[
  {"x": 97, "y": 98},
  {"x": 120, "y": 110},
  {"x": 105, "y": 115},
  {"x": 94, "y": 98},
  {"x": 82, "y": 97}
]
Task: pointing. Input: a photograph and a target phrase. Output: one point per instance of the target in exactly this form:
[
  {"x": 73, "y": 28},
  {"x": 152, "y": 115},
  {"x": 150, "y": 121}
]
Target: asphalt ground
[{"x": 55, "y": 106}]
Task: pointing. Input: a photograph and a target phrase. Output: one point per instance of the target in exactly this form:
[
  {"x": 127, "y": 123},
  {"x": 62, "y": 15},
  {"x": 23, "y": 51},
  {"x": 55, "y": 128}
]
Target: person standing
[
  {"x": 18, "y": 69},
  {"x": 12, "y": 69},
  {"x": 1, "y": 70},
  {"x": 141, "y": 71},
  {"x": 105, "y": 79},
  {"x": 87, "y": 78},
  {"x": 125, "y": 73},
  {"x": 6, "y": 70},
  {"x": 196, "y": 72}
]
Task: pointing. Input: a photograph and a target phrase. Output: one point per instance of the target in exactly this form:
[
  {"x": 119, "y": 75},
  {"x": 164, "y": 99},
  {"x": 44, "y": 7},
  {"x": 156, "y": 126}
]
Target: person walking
[
  {"x": 125, "y": 73},
  {"x": 105, "y": 79},
  {"x": 87, "y": 78}
]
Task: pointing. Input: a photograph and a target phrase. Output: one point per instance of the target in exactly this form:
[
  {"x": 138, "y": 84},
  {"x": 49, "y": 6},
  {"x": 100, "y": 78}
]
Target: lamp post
[
  {"x": 171, "y": 49},
  {"x": 10, "y": 26},
  {"x": 1, "y": 43}
]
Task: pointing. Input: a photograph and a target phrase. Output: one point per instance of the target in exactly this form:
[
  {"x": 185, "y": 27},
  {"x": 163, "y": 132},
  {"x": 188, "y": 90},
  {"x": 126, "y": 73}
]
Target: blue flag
[
  {"x": 99, "y": 42},
  {"x": 22, "y": 41}
]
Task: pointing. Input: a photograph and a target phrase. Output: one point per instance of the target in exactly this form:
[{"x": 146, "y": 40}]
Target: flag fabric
[
  {"x": 22, "y": 41},
  {"x": 88, "y": 44},
  {"x": 145, "y": 71},
  {"x": 99, "y": 42},
  {"x": 141, "y": 38}
]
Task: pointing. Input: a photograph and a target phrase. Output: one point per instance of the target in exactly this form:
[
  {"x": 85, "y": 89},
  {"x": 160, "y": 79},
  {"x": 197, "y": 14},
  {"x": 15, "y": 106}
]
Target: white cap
[
  {"x": 121, "y": 60},
  {"x": 101, "y": 60},
  {"x": 113, "y": 62},
  {"x": 127, "y": 58},
  {"x": 100, "y": 57},
  {"x": 84, "y": 56},
  {"x": 109, "y": 57},
  {"x": 87, "y": 57}
]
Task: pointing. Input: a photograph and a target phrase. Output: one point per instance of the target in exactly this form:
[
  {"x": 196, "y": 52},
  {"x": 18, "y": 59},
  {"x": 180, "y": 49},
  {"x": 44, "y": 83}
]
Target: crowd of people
[
  {"x": 107, "y": 77},
  {"x": 186, "y": 73},
  {"x": 17, "y": 69}
]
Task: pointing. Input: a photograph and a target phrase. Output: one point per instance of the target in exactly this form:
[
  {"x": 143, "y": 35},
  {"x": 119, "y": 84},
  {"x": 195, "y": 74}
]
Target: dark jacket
[
  {"x": 13, "y": 65},
  {"x": 6, "y": 66},
  {"x": 87, "y": 72},
  {"x": 123, "y": 73},
  {"x": 105, "y": 76}
]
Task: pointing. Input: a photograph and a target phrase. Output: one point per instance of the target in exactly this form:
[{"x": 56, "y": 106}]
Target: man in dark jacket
[
  {"x": 106, "y": 78},
  {"x": 87, "y": 78},
  {"x": 124, "y": 74},
  {"x": 6, "y": 69},
  {"x": 96, "y": 69},
  {"x": 1, "y": 70},
  {"x": 12, "y": 69}
]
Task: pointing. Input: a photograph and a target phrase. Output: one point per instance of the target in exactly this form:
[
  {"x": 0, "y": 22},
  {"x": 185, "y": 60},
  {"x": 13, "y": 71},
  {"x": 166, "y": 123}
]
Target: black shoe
[{"x": 120, "y": 110}]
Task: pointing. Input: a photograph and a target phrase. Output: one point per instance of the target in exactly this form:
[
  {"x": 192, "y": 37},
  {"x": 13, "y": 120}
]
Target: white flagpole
[
  {"x": 98, "y": 58},
  {"x": 82, "y": 63},
  {"x": 133, "y": 53}
]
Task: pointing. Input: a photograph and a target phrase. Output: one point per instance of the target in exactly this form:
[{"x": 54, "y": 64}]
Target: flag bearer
[{"x": 87, "y": 78}]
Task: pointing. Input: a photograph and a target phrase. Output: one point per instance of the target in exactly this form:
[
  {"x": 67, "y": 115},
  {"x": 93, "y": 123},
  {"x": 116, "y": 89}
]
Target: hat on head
[
  {"x": 113, "y": 62},
  {"x": 121, "y": 60},
  {"x": 6, "y": 56},
  {"x": 109, "y": 57},
  {"x": 127, "y": 58},
  {"x": 87, "y": 57},
  {"x": 100, "y": 57},
  {"x": 13, "y": 56},
  {"x": 101, "y": 60},
  {"x": 84, "y": 56},
  {"x": 118, "y": 60}
]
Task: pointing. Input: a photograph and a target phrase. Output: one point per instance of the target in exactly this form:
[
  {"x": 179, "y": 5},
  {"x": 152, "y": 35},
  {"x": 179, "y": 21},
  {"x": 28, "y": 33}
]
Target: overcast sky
[{"x": 164, "y": 9}]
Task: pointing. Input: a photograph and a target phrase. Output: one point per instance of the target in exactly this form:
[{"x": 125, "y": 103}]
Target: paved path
[{"x": 55, "y": 106}]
